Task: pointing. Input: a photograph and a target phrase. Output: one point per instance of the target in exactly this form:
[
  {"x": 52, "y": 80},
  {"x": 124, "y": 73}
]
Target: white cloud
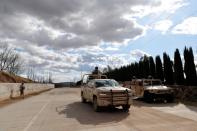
[
  {"x": 66, "y": 66},
  {"x": 138, "y": 53},
  {"x": 195, "y": 59},
  {"x": 157, "y": 8},
  {"x": 111, "y": 49},
  {"x": 68, "y": 24},
  {"x": 188, "y": 26},
  {"x": 163, "y": 25},
  {"x": 67, "y": 36},
  {"x": 74, "y": 24}
]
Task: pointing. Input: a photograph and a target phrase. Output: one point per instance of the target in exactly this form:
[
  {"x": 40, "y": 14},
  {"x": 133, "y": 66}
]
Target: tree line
[{"x": 170, "y": 71}]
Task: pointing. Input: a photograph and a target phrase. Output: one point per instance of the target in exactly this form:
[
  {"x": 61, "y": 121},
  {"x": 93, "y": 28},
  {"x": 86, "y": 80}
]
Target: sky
[{"x": 71, "y": 37}]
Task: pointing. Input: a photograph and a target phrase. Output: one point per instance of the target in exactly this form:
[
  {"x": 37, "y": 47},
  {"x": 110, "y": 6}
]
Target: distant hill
[{"x": 9, "y": 78}]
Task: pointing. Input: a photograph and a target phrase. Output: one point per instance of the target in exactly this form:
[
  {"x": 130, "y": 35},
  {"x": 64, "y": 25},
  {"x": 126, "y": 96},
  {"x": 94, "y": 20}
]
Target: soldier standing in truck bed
[{"x": 96, "y": 71}]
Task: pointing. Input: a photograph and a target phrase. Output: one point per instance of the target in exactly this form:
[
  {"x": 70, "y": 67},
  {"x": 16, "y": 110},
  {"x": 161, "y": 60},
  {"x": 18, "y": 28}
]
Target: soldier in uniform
[
  {"x": 96, "y": 71},
  {"x": 22, "y": 88}
]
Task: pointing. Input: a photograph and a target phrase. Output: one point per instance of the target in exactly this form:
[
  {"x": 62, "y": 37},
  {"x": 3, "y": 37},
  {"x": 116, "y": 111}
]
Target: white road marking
[{"x": 35, "y": 117}]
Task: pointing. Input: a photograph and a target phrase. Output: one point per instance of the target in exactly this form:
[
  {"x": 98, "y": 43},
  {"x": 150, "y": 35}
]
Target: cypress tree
[
  {"x": 132, "y": 68},
  {"x": 159, "y": 69},
  {"x": 141, "y": 69},
  {"x": 189, "y": 68},
  {"x": 152, "y": 66},
  {"x": 186, "y": 66},
  {"x": 192, "y": 67},
  {"x": 168, "y": 71},
  {"x": 178, "y": 68},
  {"x": 136, "y": 70},
  {"x": 128, "y": 72},
  {"x": 146, "y": 68}
]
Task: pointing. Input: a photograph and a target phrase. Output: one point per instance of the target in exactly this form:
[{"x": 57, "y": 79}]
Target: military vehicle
[
  {"x": 151, "y": 90},
  {"x": 103, "y": 92}
]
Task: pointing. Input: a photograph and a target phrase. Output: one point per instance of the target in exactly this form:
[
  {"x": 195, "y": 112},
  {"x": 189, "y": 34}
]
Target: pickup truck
[{"x": 103, "y": 92}]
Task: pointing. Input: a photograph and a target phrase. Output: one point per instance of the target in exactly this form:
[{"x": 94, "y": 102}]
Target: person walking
[{"x": 22, "y": 88}]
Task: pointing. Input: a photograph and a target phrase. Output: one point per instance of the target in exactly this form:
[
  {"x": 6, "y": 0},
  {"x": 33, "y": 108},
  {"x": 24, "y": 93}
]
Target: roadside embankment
[{"x": 11, "y": 90}]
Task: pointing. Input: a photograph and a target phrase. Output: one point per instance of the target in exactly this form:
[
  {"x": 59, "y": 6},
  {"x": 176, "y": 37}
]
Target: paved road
[{"x": 61, "y": 110}]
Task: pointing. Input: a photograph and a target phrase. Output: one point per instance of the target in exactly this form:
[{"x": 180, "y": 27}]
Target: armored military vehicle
[{"x": 151, "y": 90}]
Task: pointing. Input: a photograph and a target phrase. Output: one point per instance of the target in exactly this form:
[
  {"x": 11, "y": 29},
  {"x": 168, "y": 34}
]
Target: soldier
[
  {"x": 22, "y": 88},
  {"x": 96, "y": 71}
]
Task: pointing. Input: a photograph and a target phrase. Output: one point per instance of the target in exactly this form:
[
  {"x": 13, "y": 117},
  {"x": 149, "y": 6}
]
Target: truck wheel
[
  {"x": 83, "y": 100},
  {"x": 95, "y": 105},
  {"x": 148, "y": 97},
  {"x": 126, "y": 107},
  {"x": 170, "y": 99}
]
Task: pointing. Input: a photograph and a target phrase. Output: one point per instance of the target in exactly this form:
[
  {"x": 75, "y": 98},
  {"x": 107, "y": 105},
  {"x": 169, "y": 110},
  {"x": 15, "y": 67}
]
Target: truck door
[
  {"x": 139, "y": 86},
  {"x": 141, "y": 89},
  {"x": 133, "y": 87}
]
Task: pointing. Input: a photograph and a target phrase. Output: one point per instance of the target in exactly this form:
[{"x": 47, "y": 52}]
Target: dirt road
[{"x": 61, "y": 110}]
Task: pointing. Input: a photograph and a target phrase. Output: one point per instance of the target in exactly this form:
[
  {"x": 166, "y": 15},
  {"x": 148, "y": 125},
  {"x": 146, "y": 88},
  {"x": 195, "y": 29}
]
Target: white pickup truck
[{"x": 103, "y": 92}]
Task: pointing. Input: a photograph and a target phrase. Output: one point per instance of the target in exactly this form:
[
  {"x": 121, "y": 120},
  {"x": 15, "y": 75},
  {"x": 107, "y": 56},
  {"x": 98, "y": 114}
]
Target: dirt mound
[{"x": 8, "y": 78}]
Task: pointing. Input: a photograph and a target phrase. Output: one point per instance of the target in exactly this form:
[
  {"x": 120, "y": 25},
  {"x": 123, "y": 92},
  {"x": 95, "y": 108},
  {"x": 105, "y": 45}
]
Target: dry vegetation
[
  {"x": 8, "y": 78},
  {"x": 11, "y": 62}
]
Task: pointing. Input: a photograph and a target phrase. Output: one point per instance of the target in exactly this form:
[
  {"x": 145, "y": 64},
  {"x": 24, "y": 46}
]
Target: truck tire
[
  {"x": 126, "y": 107},
  {"x": 170, "y": 98},
  {"x": 83, "y": 100},
  {"x": 95, "y": 105},
  {"x": 148, "y": 97}
]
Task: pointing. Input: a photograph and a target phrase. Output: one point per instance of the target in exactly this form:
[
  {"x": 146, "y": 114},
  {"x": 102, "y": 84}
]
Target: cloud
[
  {"x": 68, "y": 24},
  {"x": 67, "y": 36},
  {"x": 66, "y": 66},
  {"x": 111, "y": 49},
  {"x": 163, "y": 25},
  {"x": 188, "y": 27},
  {"x": 157, "y": 8},
  {"x": 74, "y": 24},
  {"x": 138, "y": 53}
]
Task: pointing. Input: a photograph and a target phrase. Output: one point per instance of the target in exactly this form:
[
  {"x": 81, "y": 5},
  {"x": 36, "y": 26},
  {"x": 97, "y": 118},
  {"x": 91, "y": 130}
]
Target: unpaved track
[{"x": 61, "y": 110}]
